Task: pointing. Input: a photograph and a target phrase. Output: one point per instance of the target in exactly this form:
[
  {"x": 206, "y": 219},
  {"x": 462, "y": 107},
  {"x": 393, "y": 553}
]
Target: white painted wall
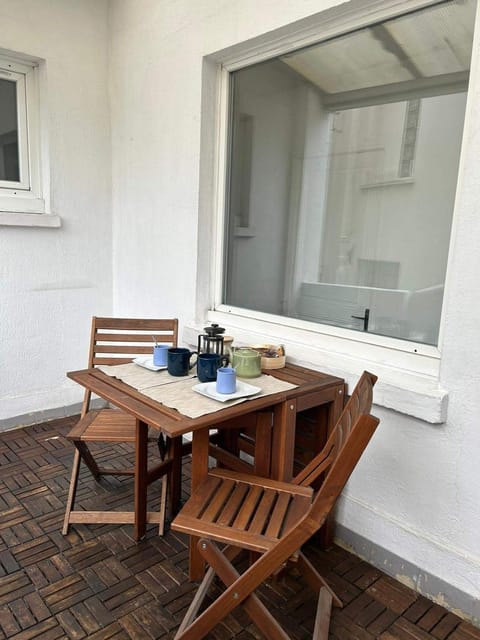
[
  {"x": 53, "y": 280},
  {"x": 417, "y": 491}
]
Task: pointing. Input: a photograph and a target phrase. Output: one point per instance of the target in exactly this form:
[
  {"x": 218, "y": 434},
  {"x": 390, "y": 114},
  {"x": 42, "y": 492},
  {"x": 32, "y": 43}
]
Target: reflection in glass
[{"x": 353, "y": 149}]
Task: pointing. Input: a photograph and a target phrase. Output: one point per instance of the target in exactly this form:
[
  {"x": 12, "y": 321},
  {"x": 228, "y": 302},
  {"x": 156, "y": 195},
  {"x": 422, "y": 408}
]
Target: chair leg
[
  {"x": 88, "y": 459},
  {"x": 175, "y": 451},
  {"x": 255, "y": 608},
  {"x": 72, "y": 490},
  {"x": 263, "y": 444},
  {"x": 196, "y": 602},
  {"x": 257, "y": 611},
  {"x": 250, "y": 580},
  {"x": 322, "y": 619},
  {"x": 230, "y": 553},
  {"x": 315, "y": 580},
  {"x": 163, "y": 505}
]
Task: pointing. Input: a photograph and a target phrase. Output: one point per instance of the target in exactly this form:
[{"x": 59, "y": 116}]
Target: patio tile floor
[{"x": 98, "y": 583}]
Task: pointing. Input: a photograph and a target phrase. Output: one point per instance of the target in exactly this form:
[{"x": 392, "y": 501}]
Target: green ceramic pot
[{"x": 247, "y": 363}]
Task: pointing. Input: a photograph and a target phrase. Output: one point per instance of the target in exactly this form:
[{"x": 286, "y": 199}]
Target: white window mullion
[{"x": 24, "y": 183}]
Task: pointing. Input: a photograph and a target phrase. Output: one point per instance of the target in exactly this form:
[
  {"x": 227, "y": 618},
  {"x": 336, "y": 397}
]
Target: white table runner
[{"x": 177, "y": 393}]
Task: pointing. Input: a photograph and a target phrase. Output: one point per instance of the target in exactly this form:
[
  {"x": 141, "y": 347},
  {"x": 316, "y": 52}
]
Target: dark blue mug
[
  {"x": 178, "y": 361},
  {"x": 207, "y": 365}
]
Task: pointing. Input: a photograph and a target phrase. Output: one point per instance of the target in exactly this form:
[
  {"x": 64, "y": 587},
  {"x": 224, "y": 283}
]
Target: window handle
[{"x": 365, "y": 319}]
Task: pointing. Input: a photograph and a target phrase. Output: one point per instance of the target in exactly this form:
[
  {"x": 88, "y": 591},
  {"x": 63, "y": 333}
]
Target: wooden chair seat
[
  {"x": 228, "y": 505},
  {"x": 105, "y": 425}
]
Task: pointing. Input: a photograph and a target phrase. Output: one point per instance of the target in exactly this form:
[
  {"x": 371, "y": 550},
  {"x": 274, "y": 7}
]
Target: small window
[
  {"x": 341, "y": 188},
  {"x": 20, "y": 176}
]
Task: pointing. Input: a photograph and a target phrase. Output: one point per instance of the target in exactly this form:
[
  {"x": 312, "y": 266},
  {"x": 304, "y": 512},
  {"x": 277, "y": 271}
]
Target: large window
[
  {"x": 20, "y": 167},
  {"x": 343, "y": 163}
]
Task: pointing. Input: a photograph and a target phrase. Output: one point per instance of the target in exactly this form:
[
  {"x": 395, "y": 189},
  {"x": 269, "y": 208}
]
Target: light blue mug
[
  {"x": 226, "y": 380},
  {"x": 160, "y": 355}
]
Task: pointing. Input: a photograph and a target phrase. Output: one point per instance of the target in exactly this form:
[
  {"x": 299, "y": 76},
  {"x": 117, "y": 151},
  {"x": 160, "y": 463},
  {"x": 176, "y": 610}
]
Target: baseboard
[
  {"x": 37, "y": 417},
  {"x": 458, "y": 602}
]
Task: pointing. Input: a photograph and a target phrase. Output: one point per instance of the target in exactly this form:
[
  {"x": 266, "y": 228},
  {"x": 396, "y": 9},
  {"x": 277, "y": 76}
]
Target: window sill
[
  {"x": 395, "y": 182},
  {"x": 408, "y": 382},
  {"x": 245, "y": 232},
  {"x": 29, "y": 220}
]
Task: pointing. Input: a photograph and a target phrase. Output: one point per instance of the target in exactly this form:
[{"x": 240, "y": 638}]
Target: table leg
[
  {"x": 336, "y": 407},
  {"x": 327, "y": 532},
  {"x": 175, "y": 473},
  {"x": 141, "y": 453},
  {"x": 283, "y": 440},
  {"x": 200, "y": 443}
]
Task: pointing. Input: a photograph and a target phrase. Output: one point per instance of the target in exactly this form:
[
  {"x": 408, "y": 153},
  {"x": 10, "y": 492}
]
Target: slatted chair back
[
  {"x": 341, "y": 469},
  {"x": 360, "y": 402},
  {"x": 350, "y": 452},
  {"x": 354, "y": 438},
  {"x": 120, "y": 340}
]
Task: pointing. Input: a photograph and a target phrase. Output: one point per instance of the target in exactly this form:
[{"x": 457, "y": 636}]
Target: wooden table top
[{"x": 173, "y": 423}]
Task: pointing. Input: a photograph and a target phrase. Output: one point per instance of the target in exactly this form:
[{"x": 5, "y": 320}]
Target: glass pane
[
  {"x": 428, "y": 43},
  {"x": 9, "y": 160},
  {"x": 343, "y": 169}
]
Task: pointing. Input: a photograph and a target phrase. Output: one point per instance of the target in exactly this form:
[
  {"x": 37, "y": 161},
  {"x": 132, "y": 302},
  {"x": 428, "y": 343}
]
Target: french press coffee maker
[{"x": 212, "y": 340}]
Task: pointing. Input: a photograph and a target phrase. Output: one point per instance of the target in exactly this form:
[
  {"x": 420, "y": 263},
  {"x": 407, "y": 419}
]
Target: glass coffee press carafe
[{"x": 212, "y": 340}]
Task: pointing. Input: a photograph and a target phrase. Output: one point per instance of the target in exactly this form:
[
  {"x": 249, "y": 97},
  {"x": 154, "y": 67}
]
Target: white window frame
[
  {"x": 21, "y": 200},
  {"x": 409, "y": 372},
  {"x": 19, "y": 79}
]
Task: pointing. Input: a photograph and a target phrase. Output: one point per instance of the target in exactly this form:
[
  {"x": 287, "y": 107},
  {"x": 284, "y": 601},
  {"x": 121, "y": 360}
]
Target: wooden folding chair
[
  {"x": 115, "y": 341},
  {"x": 273, "y": 519}
]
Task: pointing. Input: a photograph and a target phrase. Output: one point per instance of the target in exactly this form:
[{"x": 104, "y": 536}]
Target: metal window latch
[{"x": 365, "y": 319}]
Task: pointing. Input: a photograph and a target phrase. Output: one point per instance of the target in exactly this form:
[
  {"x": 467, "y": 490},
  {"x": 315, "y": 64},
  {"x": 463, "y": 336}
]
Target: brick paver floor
[{"x": 98, "y": 583}]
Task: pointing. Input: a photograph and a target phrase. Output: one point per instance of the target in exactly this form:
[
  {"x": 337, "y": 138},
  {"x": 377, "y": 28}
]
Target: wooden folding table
[{"x": 314, "y": 390}]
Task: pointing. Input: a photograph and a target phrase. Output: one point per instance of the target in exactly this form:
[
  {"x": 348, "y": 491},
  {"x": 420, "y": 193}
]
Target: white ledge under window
[
  {"x": 408, "y": 373},
  {"x": 29, "y": 219}
]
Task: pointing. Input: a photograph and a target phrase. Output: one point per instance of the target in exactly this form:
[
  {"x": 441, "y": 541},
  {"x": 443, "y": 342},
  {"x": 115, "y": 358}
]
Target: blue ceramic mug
[
  {"x": 160, "y": 355},
  {"x": 207, "y": 365},
  {"x": 178, "y": 361},
  {"x": 226, "y": 380}
]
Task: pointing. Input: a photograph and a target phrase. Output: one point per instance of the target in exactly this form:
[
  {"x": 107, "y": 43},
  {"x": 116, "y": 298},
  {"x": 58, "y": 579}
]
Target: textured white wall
[
  {"x": 417, "y": 491},
  {"x": 53, "y": 280}
]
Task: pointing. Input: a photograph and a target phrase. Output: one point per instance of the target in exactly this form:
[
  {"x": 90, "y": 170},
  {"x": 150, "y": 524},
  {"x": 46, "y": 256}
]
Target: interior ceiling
[{"x": 424, "y": 44}]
